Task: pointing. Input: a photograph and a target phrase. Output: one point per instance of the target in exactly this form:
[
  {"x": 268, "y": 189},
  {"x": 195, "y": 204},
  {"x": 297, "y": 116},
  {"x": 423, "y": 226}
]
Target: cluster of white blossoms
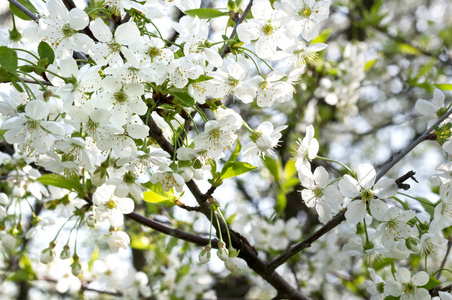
[
  {"x": 112, "y": 109},
  {"x": 91, "y": 119}
]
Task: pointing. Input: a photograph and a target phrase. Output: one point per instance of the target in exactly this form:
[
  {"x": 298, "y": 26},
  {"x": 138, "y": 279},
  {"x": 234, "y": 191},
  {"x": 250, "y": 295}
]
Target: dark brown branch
[
  {"x": 401, "y": 180},
  {"x": 43, "y": 82},
  {"x": 177, "y": 233},
  {"x": 279, "y": 260}
]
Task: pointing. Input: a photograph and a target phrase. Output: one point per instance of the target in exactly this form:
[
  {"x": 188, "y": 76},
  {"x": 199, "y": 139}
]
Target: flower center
[
  {"x": 111, "y": 204},
  {"x": 68, "y": 31},
  {"x": 366, "y": 195},
  {"x": 306, "y": 12},
  {"x": 120, "y": 96},
  {"x": 268, "y": 28}
]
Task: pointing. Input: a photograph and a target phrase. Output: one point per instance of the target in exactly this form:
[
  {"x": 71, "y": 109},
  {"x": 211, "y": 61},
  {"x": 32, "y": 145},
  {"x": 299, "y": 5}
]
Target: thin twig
[
  {"x": 24, "y": 9},
  {"x": 43, "y": 82},
  {"x": 443, "y": 263},
  {"x": 234, "y": 30},
  {"x": 177, "y": 233}
]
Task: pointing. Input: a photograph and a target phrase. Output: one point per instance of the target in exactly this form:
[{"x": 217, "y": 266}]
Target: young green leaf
[
  {"x": 443, "y": 86},
  {"x": 157, "y": 195},
  {"x": 205, "y": 13},
  {"x": 8, "y": 59},
  {"x": 45, "y": 51},
  {"x": 236, "y": 168},
  {"x": 60, "y": 181}
]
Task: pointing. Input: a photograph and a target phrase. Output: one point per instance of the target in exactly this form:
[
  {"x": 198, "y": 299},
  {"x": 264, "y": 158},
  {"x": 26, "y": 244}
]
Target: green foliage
[
  {"x": 443, "y": 86},
  {"x": 234, "y": 168},
  {"x": 323, "y": 36},
  {"x": 205, "y": 13},
  {"x": 72, "y": 184},
  {"x": 46, "y": 52},
  {"x": 157, "y": 195},
  {"x": 432, "y": 283},
  {"x": 8, "y": 59}
]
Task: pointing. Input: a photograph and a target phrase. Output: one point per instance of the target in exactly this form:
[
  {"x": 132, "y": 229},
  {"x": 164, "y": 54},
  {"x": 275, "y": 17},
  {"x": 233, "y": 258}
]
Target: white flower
[
  {"x": 282, "y": 233},
  {"x": 430, "y": 243},
  {"x": 317, "y": 194},
  {"x": 300, "y": 53},
  {"x": 232, "y": 81},
  {"x": 110, "y": 206},
  {"x": 433, "y": 109},
  {"x": 122, "y": 99},
  {"x": 108, "y": 50},
  {"x": 264, "y": 139},
  {"x": 272, "y": 89},
  {"x": 306, "y": 16},
  {"x": 375, "y": 286},
  {"x": 264, "y": 29},
  {"x": 61, "y": 28},
  {"x": 407, "y": 287},
  {"x": 307, "y": 149},
  {"x": 31, "y": 128},
  {"x": 369, "y": 195},
  {"x": 218, "y": 135},
  {"x": 117, "y": 240},
  {"x": 395, "y": 227},
  {"x": 169, "y": 180}
]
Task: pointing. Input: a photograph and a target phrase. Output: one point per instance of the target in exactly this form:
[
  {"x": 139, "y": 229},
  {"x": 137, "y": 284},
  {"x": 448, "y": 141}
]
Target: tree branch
[
  {"x": 234, "y": 30},
  {"x": 23, "y": 9},
  {"x": 177, "y": 233},
  {"x": 247, "y": 252}
]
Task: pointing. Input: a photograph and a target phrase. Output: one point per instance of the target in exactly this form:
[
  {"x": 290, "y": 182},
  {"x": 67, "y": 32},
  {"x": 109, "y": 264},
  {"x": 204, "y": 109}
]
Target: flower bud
[
  {"x": 204, "y": 256},
  {"x": 65, "y": 254},
  {"x": 47, "y": 256},
  {"x": 230, "y": 265},
  {"x": 222, "y": 252},
  {"x": 76, "y": 268},
  {"x": 413, "y": 244}
]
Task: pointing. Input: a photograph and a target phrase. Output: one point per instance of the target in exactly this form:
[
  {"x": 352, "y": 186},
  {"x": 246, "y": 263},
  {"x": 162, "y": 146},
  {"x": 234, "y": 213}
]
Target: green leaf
[
  {"x": 8, "y": 59},
  {"x": 184, "y": 99},
  {"x": 323, "y": 36},
  {"x": 381, "y": 263},
  {"x": 19, "y": 13},
  {"x": 392, "y": 298},
  {"x": 430, "y": 209},
  {"x": 443, "y": 86},
  {"x": 274, "y": 167},
  {"x": 45, "y": 51},
  {"x": 21, "y": 276},
  {"x": 94, "y": 257},
  {"x": 289, "y": 170},
  {"x": 236, "y": 168},
  {"x": 139, "y": 241},
  {"x": 432, "y": 282},
  {"x": 157, "y": 195},
  {"x": 288, "y": 184},
  {"x": 60, "y": 181},
  {"x": 236, "y": 152},
  {"x": 408, "y": 49},
  {"x": 369, "y": 64},
  {"x": 199, "y": 79},
  {"x": 205, "y": 13}
]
